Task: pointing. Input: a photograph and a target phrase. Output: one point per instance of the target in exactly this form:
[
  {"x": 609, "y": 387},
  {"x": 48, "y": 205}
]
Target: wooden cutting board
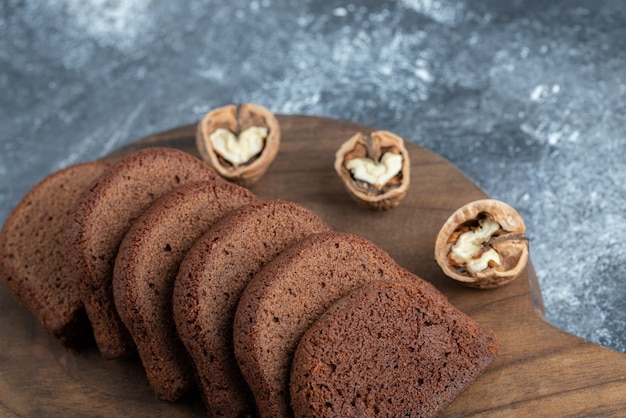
[{"x": 540, "y": 371}]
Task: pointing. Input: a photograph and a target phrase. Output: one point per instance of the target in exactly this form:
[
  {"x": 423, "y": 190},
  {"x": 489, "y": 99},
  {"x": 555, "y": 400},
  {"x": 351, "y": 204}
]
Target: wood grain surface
[{"x": 540, "y": 371}]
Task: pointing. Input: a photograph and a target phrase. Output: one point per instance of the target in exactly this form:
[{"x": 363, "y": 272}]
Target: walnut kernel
[
  {"x": 240, "y": 142},
  {"x": 375, "y": 169},
  {"x": 483, "y": 244}
]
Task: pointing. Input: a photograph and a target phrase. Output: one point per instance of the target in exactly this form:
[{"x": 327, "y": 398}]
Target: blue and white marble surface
[{"x": 528, "y": 98}]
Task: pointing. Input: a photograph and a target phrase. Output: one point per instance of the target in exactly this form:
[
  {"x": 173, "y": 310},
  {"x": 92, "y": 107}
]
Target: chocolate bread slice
[
  {"x": 287, "y": 296},
  {"x": 145, "y": 270},
  {"x": 210, "y": 280},
  {"x": 32, "y": 255},
  {"x": 388, "y": 349},
  {"x": 102, "y": 218}
]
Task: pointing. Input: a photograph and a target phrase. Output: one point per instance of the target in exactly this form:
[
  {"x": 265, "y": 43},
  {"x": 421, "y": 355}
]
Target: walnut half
[
  {"x": 239, "y": 142},
  {"x": 375, "y": 169},
  {"x": 483, "y": 244}
]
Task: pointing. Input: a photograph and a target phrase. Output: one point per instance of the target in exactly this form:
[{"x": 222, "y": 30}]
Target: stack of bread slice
[{"x": 260, "y": 303}]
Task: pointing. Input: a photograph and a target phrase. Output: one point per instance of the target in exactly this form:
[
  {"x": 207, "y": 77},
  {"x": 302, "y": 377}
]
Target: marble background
[{"x": 528, "y": 98}]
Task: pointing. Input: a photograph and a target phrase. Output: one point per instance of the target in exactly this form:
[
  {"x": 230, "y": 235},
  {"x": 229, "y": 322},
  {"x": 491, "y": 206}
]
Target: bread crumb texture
[{"x": 388, "y": 349}]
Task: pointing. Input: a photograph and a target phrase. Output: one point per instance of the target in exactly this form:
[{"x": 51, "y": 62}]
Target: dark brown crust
[
  {"x": 104, "y": 214},
  {"x": 210, "y": 281},
  {"x": 145, "y": 270},
  {"x": 388, "y": 349},
  {"x": 32, "y": 256},
  {"x": 287, "y": 296}
]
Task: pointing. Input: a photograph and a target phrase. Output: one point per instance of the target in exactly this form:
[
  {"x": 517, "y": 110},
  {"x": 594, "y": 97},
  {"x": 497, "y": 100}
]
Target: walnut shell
[
  {"x": 509, "y": 242},
  {"x": 373, "y": 146},
  {"x": 236, "y": 119}
]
